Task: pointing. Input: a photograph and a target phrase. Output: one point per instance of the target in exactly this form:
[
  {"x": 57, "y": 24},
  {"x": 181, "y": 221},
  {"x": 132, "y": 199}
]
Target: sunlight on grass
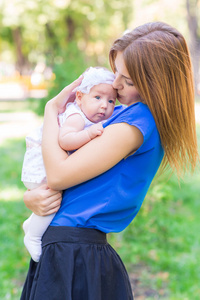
[
  {"x": 11, "y": 194},
  {"x": 13, "y": 255}
]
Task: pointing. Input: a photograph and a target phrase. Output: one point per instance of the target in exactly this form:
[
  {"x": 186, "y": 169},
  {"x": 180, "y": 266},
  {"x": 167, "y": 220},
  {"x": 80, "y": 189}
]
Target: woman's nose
[{"x": 116, "y": 83}]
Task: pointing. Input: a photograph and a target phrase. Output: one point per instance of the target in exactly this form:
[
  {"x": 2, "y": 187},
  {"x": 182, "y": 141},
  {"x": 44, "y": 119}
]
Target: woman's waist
[{"x": 69, "y": 234}]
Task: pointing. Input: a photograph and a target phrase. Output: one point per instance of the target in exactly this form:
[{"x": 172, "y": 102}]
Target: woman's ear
[{"x": 79, "y": 97}]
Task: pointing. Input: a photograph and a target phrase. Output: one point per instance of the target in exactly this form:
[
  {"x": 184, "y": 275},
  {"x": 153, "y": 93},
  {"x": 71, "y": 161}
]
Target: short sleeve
[
  {"x": 138, "y": 115},
  {"x": 71, "y": 108}
]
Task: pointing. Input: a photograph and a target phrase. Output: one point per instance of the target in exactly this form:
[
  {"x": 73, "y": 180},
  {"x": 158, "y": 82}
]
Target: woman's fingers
[
  {"x": 67, "y": 94},
  {"x": 42, "y": 200},
  {"x": 52, "y": 208},
  {"x": 75, "y": 83},
  {"x": 53, "y": 200},
  {"x": 50, "y": 202}
]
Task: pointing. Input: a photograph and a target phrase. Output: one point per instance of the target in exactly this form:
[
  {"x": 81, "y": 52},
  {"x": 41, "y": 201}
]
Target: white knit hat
[{"x": 95, "y": 76}]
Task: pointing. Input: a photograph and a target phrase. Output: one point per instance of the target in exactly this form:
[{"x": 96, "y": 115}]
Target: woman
[{"x": 106, "y": 180}]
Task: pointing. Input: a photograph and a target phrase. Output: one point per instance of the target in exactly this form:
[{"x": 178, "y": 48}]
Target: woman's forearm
[{"x": 52, "y": 152}]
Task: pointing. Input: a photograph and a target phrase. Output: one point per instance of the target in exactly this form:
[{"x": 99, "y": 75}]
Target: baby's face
[{"x": 99, "y": 104}]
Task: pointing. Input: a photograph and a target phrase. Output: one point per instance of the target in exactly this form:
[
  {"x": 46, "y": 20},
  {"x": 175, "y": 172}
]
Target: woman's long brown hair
[{"x": 158, "y": 61}]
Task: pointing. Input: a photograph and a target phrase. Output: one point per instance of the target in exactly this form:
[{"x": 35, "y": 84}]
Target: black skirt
[{"x": 76, "y": 264}]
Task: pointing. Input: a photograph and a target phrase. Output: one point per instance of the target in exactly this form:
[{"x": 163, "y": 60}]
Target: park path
[{"x": 17, "y": 124}]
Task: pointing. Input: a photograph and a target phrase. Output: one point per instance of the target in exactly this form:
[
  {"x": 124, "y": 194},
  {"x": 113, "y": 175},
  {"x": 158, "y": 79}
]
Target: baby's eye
[
  {"x": 111, "y": 101},
  {"x": 97, "y": 97}
]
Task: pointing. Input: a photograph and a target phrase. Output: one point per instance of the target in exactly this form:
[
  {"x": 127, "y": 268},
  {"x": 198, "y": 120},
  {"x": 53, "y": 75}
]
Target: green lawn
[
  {"x": 13, "y": 255},
  {"x": 160, "y": 248}
]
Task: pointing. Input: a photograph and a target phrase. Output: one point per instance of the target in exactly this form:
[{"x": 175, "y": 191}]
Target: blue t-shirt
[{"x": 110, "y": 201}]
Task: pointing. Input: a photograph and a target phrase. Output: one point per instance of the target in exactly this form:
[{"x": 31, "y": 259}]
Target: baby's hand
[{"x": 95, "y": 130}]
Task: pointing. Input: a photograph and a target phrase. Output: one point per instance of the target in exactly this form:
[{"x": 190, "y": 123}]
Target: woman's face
[{"x": 126, "y": 92}]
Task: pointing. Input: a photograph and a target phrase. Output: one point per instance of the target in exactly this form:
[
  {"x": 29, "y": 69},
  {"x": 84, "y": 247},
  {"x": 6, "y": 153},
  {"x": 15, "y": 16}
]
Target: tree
[
  {"x": 41, "y": 29},
  {"x": 192, "y": 19}
]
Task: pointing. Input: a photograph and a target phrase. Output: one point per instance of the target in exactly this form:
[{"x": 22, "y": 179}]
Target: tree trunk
[
  {"x": 20, "y": 58},
  {"x": 194, "y": 39},
  {"x": 70, "y": 28}
]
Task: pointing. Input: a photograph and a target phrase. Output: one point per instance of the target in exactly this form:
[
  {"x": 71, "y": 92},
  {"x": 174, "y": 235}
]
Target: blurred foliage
[
  {"x": 38, "y": 30},
  {"x": 67, "y": 36},
  {"x": 41, "y": 31},
  {"x": 69, "y": 65}
]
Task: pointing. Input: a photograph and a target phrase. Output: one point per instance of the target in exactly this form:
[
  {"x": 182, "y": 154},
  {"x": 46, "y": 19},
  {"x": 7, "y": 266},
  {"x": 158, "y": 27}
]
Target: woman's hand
[
  {"x": 66, "y": 95},
  {"x": 42, "y": 200}
]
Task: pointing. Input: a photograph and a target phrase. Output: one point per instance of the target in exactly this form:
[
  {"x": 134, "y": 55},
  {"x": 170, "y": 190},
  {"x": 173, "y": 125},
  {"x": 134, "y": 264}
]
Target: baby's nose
[{"x": 104, "y": 103}]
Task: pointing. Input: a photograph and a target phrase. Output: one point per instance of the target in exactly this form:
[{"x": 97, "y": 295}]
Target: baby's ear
[{"x": 79, "y": 97}]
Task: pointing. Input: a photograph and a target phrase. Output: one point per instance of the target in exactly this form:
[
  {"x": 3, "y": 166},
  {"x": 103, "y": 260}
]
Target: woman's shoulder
[
  {"x": 140, "y": 116},
  {"x": 135, "y": 113}
]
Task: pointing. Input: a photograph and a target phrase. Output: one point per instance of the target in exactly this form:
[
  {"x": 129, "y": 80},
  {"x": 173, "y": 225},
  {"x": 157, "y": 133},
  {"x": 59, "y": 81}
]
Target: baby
[{"x": 80, "y": 123}]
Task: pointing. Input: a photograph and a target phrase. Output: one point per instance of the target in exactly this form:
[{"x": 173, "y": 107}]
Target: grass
[
  {"x": 160, "y": 248},
  {"x": 13, "y": 256}
]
